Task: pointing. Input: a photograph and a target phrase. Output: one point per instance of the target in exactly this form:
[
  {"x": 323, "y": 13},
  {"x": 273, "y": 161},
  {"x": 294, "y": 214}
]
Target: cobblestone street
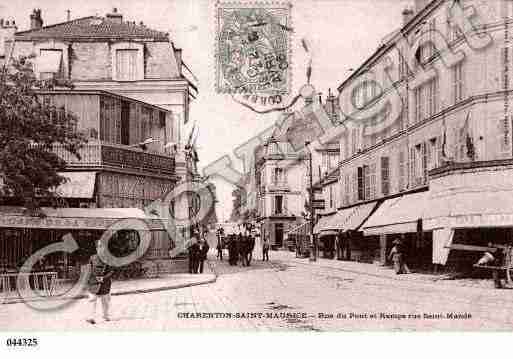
[{"x": 288, "y": 293}]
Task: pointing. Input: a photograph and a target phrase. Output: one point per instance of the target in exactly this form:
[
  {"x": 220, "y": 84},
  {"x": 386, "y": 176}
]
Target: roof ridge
[{"x": 54, "y": 25}]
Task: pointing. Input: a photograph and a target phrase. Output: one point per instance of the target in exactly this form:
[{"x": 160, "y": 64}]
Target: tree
[{"x": 29, "y": 127}]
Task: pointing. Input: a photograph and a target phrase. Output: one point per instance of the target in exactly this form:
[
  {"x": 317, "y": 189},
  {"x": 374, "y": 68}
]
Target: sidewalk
[
  {"x": 377, "y": 270},
  {"x": 137, "y": 286}
]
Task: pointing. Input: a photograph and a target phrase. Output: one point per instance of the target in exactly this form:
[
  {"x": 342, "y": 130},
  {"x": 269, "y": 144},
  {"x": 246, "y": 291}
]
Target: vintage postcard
[{"x": 301, "y": 166}]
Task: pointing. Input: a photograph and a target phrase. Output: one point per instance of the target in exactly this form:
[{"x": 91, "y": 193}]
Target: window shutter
[
  {"x": 373, "y": 183},
  {"x": 285, "y": 209},
  {"x": 385, "y": 176},
  {"x": 412, "y": 173},
  {"x": 424, "y": 151},
  {"x": 366, "y": 181}
]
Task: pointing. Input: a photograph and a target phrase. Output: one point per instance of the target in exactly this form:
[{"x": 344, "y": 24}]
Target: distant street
[{"x": 286, "y": 293}]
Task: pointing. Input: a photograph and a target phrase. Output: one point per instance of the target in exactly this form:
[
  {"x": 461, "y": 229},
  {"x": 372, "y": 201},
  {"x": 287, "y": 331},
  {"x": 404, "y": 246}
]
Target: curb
[
  {"x": 391, "y": 277},
  {"x": 123, "y": 292}
]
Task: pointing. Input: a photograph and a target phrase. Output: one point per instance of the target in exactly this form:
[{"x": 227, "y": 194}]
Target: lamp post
[{"x": 313, "y": 241}]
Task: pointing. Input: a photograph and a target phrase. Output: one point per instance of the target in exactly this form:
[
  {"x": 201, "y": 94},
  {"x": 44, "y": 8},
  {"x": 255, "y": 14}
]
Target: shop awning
[
  {"x": 469, "y": 209},
  {"x": 77, "y": 185},
  {"x": 75, "y": 218},
  {"x": 305, "y": 227},
  {"x": 358, "y": 216},
  {"x": 327, "y": 233},
  {"x": 338, "y": 220},
  {"x": 321, "y": 224},
  {"x": 397, "y": 215}
]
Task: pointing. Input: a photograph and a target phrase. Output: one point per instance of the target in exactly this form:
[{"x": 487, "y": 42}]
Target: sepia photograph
[{"x": 238, "y": 166}]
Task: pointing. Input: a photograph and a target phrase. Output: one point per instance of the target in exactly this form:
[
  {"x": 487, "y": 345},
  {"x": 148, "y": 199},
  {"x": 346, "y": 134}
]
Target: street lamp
[{"x": 313, "y": 241}]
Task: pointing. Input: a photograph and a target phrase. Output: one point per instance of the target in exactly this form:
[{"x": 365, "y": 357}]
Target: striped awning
[
  {"x": 397, "y": 215},
  {"x": 322, "y": 223}
]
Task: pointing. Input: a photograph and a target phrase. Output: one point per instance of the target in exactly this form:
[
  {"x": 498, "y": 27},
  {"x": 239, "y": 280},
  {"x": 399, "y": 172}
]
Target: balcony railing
[
  {"x": 110, "y": 155},
  {"x": 278, "y": 185}
]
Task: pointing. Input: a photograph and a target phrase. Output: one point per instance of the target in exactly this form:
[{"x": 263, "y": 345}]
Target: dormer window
[
  {"x": 127, "y": 62},
  {"x": 49, "y": 64},
  {"x": 126, "y": 65}
]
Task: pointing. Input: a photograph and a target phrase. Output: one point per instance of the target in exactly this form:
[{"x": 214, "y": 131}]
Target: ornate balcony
[
  {"x": 98, "y": 155},
  {"x": 280, "y": 185}
]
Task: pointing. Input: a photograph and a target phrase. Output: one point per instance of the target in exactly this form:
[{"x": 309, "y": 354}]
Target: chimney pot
[
  {"x": 36, "y": 21},
  {"x": 114, "y": 16}
]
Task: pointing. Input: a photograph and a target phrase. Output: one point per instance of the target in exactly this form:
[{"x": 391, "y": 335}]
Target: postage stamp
[{"x": 253, "y": 50}]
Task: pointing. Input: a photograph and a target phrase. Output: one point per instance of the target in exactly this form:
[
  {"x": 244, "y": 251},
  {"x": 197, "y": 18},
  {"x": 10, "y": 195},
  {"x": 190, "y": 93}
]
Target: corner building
[{"x": 431, "y": 162}]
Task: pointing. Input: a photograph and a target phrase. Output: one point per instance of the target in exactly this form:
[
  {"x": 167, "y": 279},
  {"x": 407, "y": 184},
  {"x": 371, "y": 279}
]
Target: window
[
  {"x": 347, "y": 184},
  {"x": 402, "y": 171},
  {"x": 278, "y": 204},
  {"x": 354, "y": 140},
  {"x": 367, "y": 182},
  {"x": 457, "y": 82},
  {"x": 373, "y": 182},
  {"x": 126, "y": 64},
  {"x": 426, "y": 100},
  {"x": 49, "y": 64},
  {"x": 432, "y": 154},
  {"x": 385, "y": 176},
  {"x": 278, "y": 175},
  {"x": 330, "y": 189},
  {"x": 360, "y": 185}
]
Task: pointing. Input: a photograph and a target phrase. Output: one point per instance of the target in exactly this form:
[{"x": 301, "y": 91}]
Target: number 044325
[{"x": 21, "y": 342}]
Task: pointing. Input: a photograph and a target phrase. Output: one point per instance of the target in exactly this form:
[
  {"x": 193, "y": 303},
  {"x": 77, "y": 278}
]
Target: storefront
[
  {"x": 298, "y": 239},
  {"x": 21, "y": 236},
  {"x": 325, "y": 237},
  {"x": 401, "y": 218},
  {"x": 470, "y": 207},
  {"x": 359, "y": 247}
]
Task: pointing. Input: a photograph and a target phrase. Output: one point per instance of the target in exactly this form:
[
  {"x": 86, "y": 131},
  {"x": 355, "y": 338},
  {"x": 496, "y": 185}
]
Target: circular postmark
[{"x": 253, "y": 57}]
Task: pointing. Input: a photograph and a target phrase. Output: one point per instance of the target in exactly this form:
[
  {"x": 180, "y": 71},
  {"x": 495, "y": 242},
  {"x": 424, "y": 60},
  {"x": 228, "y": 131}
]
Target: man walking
[
  {"x": 251, "y": 247},
  {"x": 202, "y": 253},
  {"x": 193, "y": 255},
  {"x": 265, "y": 250},
  {"x": 397, "y": 257},
  {"x": 100, "y": 283}
]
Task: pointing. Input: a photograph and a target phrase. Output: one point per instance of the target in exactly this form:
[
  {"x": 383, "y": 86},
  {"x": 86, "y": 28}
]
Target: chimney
[
  {"x": 36, "y": 21},
  {"x": 114, "y": 16},
  {"x": 68, "y": 15},
  {"x": 408, "y": 14},
  {"x": 7, "y": 30}
]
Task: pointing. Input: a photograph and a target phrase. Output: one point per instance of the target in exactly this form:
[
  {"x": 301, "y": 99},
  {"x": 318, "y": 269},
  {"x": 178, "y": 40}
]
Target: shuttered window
[
  {"x": 373, "y": 181},
  {"x": 401, "y": 171},
  {"x": 457, "y": 82},
  {"x": 367, "y": 182},
  {"x": 360, "y": 181},
  {"x": 385, "y": 176},
  {"x": 126, "y": 64},
  {"x": 424, "y": 151}
]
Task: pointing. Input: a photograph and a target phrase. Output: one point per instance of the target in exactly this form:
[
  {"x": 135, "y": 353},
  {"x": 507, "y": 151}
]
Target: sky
[{"x": 341, "y": 33}]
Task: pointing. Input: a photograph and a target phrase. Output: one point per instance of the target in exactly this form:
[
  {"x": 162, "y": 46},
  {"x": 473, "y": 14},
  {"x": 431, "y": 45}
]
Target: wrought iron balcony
[{"x": 119, "y": 156}]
